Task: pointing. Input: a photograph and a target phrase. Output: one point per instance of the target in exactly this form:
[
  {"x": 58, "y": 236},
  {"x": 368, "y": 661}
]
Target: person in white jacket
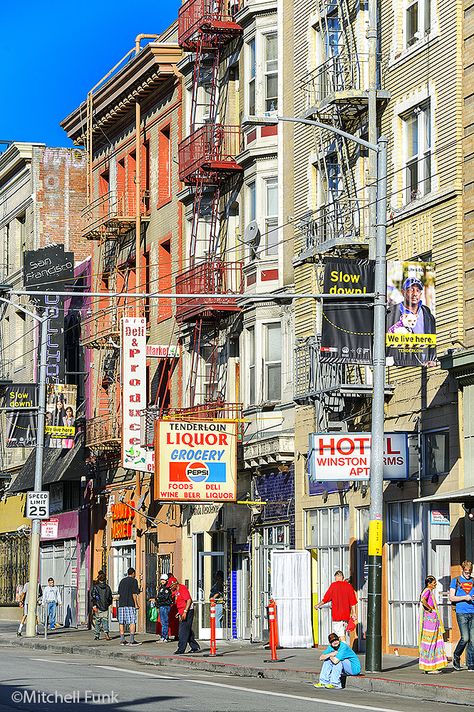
[{"x": 51, "y": 600}]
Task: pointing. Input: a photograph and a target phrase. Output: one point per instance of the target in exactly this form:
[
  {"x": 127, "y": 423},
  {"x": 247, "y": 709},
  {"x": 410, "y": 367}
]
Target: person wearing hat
[
  {"x": 184, "y": 604},
  {"x": 164, "y": 601},
  {"x": 411, "y": 311},
  {"x": 338, "y": 660}
]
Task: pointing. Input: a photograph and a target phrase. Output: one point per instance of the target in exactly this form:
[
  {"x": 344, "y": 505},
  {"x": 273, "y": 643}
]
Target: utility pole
[
  {"x": 42, "y": 319},
  {"x": 36, "y": 523}
]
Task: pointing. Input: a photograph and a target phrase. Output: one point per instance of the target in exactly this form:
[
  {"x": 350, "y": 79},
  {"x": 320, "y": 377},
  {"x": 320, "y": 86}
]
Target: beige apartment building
[{"x": 413, "y": 95}]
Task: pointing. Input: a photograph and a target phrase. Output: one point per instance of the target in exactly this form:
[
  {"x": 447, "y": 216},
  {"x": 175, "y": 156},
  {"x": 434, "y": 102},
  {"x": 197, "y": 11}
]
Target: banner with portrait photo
[
  {"x": 347, "y": 324},
  {"x": 60, "y": 427},
  {"x": 411, "y": 313}
]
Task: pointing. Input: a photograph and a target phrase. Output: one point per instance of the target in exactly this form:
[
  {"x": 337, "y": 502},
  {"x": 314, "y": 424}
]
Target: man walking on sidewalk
[
  {"x": 343, "y": 601},
  {"x": 461, "y": 593},
  {"x": 184, "y": 604},
  {"x": 164, "y": 601},
  {"x": 128, "y": 591},
  {"x": 101, "y": 599},
  {"x": 51, "y": 600},
  {"x": 24, "y": 601}
]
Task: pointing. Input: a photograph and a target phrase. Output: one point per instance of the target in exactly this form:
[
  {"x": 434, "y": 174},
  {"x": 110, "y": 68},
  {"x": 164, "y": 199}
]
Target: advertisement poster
[
  {"x": 345, "y": 457},
  {"x": 347, "y": 325},
  {"x": 134, "y": 394},
  {"x": 411, "y": 313},
  {"x": 196, "y": 461},
  {"x": 60, "y": 426},
  {"x": 20, "y": 401}
]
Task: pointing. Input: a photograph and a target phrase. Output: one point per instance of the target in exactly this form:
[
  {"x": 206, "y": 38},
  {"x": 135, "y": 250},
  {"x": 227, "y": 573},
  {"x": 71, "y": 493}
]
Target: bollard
[
  {"x": 273, "y": 633},
  {"x": 213, "y": 645}
]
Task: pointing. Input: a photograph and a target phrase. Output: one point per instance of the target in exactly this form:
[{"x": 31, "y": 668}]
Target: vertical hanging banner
[
  {"x": 49, "y": 269},
  {"x": 347, "y": 325},
  {"x": 134, "y": 394},
  {"x": 411, "y": 313},
  {"x": 60, "y": 427}
]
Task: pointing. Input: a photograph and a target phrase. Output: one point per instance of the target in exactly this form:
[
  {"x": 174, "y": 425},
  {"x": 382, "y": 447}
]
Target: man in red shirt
[
  {"x": 184, "y": 604},
  {"x": 343, "y": 601}
]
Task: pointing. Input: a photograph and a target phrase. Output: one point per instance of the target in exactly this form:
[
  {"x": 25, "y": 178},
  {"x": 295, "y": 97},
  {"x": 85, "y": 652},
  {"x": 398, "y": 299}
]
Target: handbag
[
  {"x": 350, "y": 625},
  {"x": 153, "y": 614}
]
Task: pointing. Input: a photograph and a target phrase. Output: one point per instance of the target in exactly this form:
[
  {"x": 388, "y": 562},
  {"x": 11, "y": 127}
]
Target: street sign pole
[{"x": 36, "y": 523}]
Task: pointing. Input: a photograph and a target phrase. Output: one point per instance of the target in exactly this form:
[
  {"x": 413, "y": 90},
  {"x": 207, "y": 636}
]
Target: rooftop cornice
[
  {"x": 145, "y": 72},
  {"x": 15, "y": 155}
]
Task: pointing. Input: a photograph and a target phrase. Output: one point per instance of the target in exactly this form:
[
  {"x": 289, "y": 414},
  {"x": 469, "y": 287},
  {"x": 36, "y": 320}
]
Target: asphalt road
[{"x": 35, "y": 681}]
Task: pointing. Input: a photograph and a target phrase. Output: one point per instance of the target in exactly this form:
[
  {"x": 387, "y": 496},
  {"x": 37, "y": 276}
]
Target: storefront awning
[
  {"x": 58, "y": 466},
  {"x": 461, "y": 495}
]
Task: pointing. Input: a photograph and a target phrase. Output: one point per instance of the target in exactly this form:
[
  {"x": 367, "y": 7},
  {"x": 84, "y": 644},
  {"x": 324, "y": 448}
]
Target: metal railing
[
  {"x": 330, "y": 225},
  {"x": 211, "y": 277},
  {"x": 109, "y": 213},
  {"x": 342, "y": 72},
  {"x": 207, "y": 151},
  {"x": 207, "y": 16},
  {"x": 104, "y": 431},
  {"x": 313, "y": 377},
  {"x": 104, "y": 323}
]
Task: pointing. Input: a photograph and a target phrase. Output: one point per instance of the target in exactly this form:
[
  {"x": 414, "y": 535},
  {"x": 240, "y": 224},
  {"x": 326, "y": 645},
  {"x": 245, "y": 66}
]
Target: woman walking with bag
[{"x": 431, "y": 643}]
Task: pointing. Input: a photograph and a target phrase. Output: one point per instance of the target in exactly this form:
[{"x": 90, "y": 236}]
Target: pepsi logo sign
[{"x": 197, "y": 472}]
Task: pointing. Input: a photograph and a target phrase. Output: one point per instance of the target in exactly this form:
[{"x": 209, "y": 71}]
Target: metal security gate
[{"x": 59, "y": 561}]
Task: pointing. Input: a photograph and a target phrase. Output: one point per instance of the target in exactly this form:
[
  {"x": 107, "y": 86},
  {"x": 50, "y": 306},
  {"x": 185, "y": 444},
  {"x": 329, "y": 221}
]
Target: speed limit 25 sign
[{"x": 37, "y": 505}]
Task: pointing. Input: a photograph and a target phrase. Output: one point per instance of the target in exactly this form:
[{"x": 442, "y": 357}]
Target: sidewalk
[{"x": 400, "y": 675}]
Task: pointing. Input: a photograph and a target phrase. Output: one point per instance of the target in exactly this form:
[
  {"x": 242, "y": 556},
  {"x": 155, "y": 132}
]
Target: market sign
[
  {"x": 134, "y": 394},
  {"x": 345, "y": 457},
  {"x": 122, "y": 520},
  {"x": 161, "y": 351},
  {"x": 196, "y": 461}
]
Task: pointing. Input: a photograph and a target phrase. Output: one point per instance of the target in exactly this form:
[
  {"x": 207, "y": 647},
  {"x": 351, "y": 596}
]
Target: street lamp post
[
  {"x": 373, "y": 661},
  {"x": 42, "y": 319}
]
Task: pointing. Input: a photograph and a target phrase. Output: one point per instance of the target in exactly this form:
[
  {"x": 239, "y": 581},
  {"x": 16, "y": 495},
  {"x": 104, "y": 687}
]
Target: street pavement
[
  {"x": 400, "y": 676},
  {"x": 30, "y": 680}
]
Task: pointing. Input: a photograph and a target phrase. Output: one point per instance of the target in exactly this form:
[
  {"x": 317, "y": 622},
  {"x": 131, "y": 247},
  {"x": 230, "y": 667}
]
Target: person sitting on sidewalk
[{"x": 338, "y": 660}]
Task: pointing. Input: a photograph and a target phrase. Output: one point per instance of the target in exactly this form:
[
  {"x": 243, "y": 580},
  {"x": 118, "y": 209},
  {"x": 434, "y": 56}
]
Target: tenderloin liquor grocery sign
[{"x": 196, "y": 461}]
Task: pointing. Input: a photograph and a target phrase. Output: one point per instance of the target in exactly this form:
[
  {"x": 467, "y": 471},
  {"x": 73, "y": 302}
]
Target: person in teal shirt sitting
[{"x": 338, "y": 659}]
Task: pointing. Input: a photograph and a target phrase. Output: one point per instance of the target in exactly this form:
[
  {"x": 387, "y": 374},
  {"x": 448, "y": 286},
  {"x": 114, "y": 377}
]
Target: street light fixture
[
  {"x": 42, "y": 319},
  {"x": 373, "y": 661}
]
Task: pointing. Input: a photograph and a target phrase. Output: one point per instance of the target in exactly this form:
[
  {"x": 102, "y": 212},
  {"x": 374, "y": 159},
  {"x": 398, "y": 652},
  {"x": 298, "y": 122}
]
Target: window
[
  {"x": 252, "y": 201},
  {"x": 164, "y": 279},
  {"x": 417, "y": 20},
  {"x": 417, "y": 151},
  {"x": 251, "y": 363},
  {"x": 271, "y": 72},
  {"x": 435, "y": 453},
  {"x": 271, "y": 216},
  {"x": 164, "y": 165},
  {"x": 252, "y": 76},
  {"x": 272, "y": 365}
]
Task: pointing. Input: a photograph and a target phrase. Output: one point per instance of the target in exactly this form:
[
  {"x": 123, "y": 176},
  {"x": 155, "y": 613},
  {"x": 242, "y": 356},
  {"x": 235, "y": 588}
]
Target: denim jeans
[
  {"x": 164, "y": 618},
  {"x": 52, "y": 614},
  {"x": 331, "y": 673},
  {"x": 466, "y": 626}
]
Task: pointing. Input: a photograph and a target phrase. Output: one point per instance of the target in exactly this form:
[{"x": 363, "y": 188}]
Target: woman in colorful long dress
[{"x": 431, "y": 643}]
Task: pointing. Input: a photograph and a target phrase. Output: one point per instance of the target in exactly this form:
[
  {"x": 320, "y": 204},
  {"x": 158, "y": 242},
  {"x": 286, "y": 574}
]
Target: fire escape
[
  {"x": 207, "y": 163},
  {"x": 336, "y": 92},
  {"x": 110, "y": 221}
]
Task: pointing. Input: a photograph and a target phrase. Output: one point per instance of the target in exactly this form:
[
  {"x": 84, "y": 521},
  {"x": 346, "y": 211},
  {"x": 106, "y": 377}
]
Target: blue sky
[{"x": 54, "y": 52}]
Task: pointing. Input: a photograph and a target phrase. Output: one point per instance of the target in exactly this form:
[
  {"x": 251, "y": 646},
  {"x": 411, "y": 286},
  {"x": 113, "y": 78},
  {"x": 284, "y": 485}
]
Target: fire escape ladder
[
  {"x": 213, "y": 362},
  {"x": 198, "y": 193},
  {"x": 195, "y": 358},
  {"x": 214, "y": 231}
]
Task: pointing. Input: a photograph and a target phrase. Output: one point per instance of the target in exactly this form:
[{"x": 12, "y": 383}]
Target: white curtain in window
[{"x": 291, "y": 589}]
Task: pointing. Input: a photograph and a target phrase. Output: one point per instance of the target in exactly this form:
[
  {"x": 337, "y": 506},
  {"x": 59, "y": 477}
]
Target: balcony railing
[
  {"x": 209, "y": 21},
  {"x": 104, "y": 432},
  {"x": 103, "y": 325},
  {"x": 210, "y": 277},
  {"x": 334, "y": 225},
  {"x": 209, "y": 153},
  {"x": 344, "y": 72},
  {"x": 313, "y": 378},
  {"x": 112, "y": 214}
]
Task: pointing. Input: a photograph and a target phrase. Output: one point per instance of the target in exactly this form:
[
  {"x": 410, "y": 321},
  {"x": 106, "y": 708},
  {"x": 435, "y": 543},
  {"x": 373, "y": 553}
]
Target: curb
[{"x": 428, "y": 692}]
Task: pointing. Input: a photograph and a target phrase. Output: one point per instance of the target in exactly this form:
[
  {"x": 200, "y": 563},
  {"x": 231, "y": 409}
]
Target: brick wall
[{"x": 60, "y": 198}]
